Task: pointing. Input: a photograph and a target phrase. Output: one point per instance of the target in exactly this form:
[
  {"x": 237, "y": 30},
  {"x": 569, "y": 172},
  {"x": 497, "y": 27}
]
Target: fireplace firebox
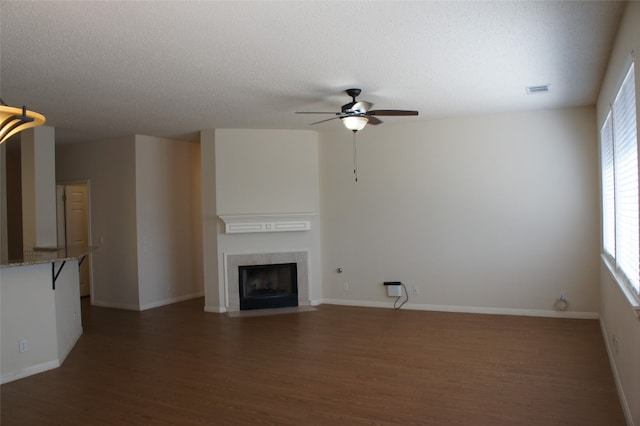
[{"x": 268, "y": 286}]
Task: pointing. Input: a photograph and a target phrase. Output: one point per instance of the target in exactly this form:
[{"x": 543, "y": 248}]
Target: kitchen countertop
[{"x": 38, "y": 255}]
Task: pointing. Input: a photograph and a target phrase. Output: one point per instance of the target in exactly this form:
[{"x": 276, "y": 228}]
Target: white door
[{"x": 77, "y": 228}]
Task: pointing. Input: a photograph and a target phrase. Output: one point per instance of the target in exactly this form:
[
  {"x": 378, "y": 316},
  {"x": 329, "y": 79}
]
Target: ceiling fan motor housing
[
  {"x": 348, "y": 107},
  {"x": 353, "y": 93}
]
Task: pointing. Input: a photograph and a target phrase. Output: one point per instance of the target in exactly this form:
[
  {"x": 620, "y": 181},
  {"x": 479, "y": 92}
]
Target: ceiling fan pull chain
[{"x": 355, "y": 161}]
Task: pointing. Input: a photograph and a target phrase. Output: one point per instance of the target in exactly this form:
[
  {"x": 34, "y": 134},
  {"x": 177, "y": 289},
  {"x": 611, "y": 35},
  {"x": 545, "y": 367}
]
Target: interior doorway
[{"x": 73, "y": 226}]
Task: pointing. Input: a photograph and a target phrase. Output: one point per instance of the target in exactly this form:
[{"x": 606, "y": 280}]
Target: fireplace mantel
[{"x": 280, "y": 222}]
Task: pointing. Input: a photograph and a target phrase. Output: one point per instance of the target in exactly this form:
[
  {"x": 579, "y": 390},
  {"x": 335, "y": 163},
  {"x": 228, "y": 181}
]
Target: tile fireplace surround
[{"x": 233, "y": 260}]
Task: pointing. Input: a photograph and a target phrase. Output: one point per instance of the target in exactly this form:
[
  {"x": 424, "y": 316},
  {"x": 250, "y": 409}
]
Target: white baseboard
[
  {"x": 115, "y": 305},
  {"x": 215, "y": 309},
  {"x": 359, "y": 303},
  {"x": 616, "y": 376},
  {"x": 29, "y": 371},
  {"x": 467, "y": 309},
  {"x": 171, "y": 300},
  {"x": 146, "y": 306}
]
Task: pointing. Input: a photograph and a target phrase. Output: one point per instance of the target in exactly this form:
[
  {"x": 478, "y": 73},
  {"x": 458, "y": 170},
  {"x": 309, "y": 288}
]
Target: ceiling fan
[{"x": 355, "y": 115}]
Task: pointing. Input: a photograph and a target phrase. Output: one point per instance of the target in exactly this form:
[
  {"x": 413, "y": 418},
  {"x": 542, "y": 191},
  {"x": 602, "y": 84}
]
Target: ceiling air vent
[{"x": 538, "y": 89}]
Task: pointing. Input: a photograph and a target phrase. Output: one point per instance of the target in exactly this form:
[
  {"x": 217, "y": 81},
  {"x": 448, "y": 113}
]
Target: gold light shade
[{"x": 14, "y": 120}]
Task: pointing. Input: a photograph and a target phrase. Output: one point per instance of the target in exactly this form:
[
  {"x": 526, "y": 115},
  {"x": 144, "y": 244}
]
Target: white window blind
[
  {"x": 619, "y": 150},
  {"x": 608, "y": 189}
]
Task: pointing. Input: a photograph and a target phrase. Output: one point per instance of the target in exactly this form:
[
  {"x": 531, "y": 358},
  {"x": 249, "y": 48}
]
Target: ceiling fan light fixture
[
  {"x": 14, "y": 120},
  {"x": 355, "y": 122}
]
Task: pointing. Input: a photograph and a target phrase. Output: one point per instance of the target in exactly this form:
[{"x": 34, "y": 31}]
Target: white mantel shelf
[{"x": 280, "y": 222}]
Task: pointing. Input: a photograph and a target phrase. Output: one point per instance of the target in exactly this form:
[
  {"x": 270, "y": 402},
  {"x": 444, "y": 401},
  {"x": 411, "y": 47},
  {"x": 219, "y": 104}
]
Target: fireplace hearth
[{"x": 268, "y": 286}]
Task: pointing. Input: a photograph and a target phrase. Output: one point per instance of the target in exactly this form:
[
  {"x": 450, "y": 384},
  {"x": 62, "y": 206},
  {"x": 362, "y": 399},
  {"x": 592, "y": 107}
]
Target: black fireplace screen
[{"x": 268, "y": 286}]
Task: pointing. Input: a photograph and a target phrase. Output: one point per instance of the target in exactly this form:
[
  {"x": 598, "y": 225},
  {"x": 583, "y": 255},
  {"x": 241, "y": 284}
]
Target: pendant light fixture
[{"x": 14, "y": 120}]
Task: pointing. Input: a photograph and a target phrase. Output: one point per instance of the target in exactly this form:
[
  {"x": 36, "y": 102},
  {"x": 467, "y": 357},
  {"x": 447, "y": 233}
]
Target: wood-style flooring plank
[{"x": 177, "y": 365}]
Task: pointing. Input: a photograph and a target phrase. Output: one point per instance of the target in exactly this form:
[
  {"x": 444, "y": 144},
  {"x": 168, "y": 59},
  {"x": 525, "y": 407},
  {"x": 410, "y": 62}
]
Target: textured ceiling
[{"x": 107, "y": 69}]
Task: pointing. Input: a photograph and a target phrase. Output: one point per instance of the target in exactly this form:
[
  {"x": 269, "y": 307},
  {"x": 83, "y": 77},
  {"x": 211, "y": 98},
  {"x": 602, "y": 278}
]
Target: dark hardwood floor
[{"x": 177, "y": 365}]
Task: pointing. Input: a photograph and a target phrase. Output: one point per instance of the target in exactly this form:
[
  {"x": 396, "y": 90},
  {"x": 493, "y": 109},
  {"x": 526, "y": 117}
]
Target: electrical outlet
[
  {"x": 24, "y": 346},
  {"x": 346, "y": 287},
  {"x": 615, "y": 344},
  {"x": 416, "y": 289}
]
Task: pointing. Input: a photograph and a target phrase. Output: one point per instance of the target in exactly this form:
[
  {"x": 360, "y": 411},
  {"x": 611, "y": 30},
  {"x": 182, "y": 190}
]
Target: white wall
[
  {"x": 145, "y": 218},
  {"x": 266, "y": 171},
  {"x": 213, "y": 294},
  {"x": 68, "y": 311},
  {"x": 38, "y": 187},
  {"x": 618, "y": 320},
  {"x": 621, "y": 328},
  {"x": 49, "y": 320},
  {"x": 258, "y": 172},
  {"x": 20, "y": 287},
  {"x": 169, "y": 243},
  {"x": 493, "y": 213},
  {"x": 110, "y": 167}
]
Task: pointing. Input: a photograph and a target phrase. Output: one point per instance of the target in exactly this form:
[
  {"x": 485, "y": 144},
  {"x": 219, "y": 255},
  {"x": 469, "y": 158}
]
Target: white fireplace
[{"x": 260, "y": 203}]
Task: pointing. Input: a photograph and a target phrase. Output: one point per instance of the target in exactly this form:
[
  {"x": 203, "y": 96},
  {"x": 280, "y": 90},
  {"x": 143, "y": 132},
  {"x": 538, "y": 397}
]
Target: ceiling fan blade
[
  {"x": 392, "y": 112},
  {"x": 362, "y": 106},
  {"x": 360, "y": 109},
  {"x": 374, "y": 121},
  {"x": 322, "y": 121},
  {"x": 314, "y": 112}
]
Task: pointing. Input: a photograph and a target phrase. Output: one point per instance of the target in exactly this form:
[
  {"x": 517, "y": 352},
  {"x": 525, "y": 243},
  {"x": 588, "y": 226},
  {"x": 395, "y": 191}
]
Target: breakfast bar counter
[{"x": 40, "y": 318}]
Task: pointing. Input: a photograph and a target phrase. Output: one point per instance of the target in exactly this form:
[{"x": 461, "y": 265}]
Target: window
[{"x": 619, "y": 154}]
